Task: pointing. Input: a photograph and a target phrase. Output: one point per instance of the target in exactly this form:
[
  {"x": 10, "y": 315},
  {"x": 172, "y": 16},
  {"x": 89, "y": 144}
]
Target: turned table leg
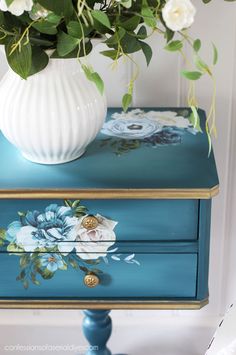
[{"x": 97, "y": 328}]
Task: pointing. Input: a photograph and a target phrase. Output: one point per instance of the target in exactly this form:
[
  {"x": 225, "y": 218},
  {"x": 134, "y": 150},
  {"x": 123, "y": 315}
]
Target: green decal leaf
[
  {"x": 24, "y": 260},
  {"x": 101, "y": 17},
  {"x": 191, "y": 75},
  {"x": 20, "y": 59},
  {"x": 174, "y": 46},
  {"x": 66, "y": 44},
  {"x": 3, "y": 234},
  {"x": 126, "y": 101}
]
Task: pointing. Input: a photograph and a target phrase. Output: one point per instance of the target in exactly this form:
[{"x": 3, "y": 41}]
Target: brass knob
[
  {"x": 91, "y": 280},
  {"x": 90, "y": 222}
]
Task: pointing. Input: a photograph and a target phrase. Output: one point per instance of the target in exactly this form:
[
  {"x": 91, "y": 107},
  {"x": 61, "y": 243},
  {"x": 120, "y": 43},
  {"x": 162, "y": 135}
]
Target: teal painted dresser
[{"x": 125, "y": 226}]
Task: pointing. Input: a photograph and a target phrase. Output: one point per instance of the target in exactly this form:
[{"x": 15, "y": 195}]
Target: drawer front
[
  {"x": 140, "y": 220},
  {"x": 127, "y": 276}
]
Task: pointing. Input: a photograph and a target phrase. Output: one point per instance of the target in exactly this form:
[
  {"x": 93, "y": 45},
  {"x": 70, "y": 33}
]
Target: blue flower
[
  {"x": 131, "y": 128},
  {"x": 52, "y": 262},
  {"x": 167, "y": 136},
  {"x": 55, "y": 227}
]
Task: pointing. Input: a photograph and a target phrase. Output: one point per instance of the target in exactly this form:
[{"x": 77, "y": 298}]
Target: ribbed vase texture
[{"x": 52, "y": 116}]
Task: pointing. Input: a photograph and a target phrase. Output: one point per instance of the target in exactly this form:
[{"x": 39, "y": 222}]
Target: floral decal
[
  {"x": 153, "y": 128},
  {"x": 55, "y": 239}
]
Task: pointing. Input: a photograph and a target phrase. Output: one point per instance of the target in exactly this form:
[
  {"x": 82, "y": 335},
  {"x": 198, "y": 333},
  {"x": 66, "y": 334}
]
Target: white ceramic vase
[{"x": 52, "y": 116}]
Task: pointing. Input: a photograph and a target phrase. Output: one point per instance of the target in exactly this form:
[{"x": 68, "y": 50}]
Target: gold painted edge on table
[
  {"x": 73, "y": 304},
  {"x": 110, "y": 193}
]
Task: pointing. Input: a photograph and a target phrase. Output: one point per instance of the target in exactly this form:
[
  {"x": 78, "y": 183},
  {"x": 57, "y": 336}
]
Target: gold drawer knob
[
  {"x": 90, "y": 222},
  {"x": 91, "y": 280}
]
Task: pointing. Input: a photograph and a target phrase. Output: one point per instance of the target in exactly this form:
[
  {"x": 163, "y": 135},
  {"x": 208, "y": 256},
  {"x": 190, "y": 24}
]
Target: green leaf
[
  {"x": 9, "y": 2},
  {"x": 74, "y": 29},
  {"x": 148, "y": 16},
  {"x": 116, "y": 37},
  {"x": 94, "y": 77},
  {"x": 98, "y": 82},
  {"x": 142, "y": 32},
  {"x": 126, "y": 3},
  {"x": 197, "y": 45},
  {"x": 131, "y": 24},
  {"x": 215, "y": 54},
  {"x": 201, "y": 65},
  {"x": 53, "y": 18},
  {"x": 147, "y": 51},
  {"x": 39, "y": 60},
  {"x": 21, "y": 59},
  {"x": 101, "y": 17},
  {"x": 111, "y": 54},
  {"x": 63, "y": 8},
  {"x": 191, "y": 75},
  {"x": 46, "y": 27},
  {"x": 126, "y": 101},
  {"x": 194, "y": 119},
  {"x": 174, "y": 46},
  {"x": 66, "y": 44}
]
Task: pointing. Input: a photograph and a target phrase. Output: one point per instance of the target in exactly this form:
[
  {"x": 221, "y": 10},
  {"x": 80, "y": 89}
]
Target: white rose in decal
[
  {"x": 98, "y": 240},
  {"x": 17, "y": 7},
  {"x": 178, "y": 14}
]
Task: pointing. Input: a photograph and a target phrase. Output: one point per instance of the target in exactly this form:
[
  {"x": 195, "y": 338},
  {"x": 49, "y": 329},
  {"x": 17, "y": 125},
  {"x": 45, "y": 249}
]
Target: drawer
[
  {"x": 149, "y": 275},
  {"x": 138, "y": 220}
]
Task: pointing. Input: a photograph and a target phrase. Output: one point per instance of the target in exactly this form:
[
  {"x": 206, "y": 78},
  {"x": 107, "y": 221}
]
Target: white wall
[{"x": 161, "y": 85}]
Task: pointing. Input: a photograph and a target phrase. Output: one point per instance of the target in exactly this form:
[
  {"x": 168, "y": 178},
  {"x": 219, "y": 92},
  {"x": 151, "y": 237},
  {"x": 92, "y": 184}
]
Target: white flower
[
  {"x": 168, "y": 118},
  {"x": 94, "y": 243},
  {"x": 135, "y": 128},
  {"x": 178, "y": 14},
  {"x": 17, "y": 7},
  {"x": 38, "y": 12}
]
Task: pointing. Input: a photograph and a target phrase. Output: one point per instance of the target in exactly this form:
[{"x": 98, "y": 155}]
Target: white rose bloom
[
  {"x": 94, "y": 243},
  {"x": 178, "y": 14},
  {"x": 17, "y": 7}
]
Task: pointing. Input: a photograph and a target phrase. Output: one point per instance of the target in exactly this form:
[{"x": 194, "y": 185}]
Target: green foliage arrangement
[{"x": 30, "y": 28}]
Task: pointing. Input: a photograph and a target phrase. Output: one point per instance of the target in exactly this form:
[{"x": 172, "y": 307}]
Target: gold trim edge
[
  {"x": 111, "y": 193},
  {"x": 73, "y": 304}
]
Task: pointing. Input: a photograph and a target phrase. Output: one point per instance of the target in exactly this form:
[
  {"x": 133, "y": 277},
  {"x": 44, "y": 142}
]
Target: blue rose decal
[
  {"x": 131, "y": 128},
  {"x": 54, "y": 227},
  {"x": 55, "y": 239}
]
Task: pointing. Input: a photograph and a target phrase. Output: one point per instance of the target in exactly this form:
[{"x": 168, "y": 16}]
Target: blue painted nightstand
[{"x": 125, "y": 226}]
